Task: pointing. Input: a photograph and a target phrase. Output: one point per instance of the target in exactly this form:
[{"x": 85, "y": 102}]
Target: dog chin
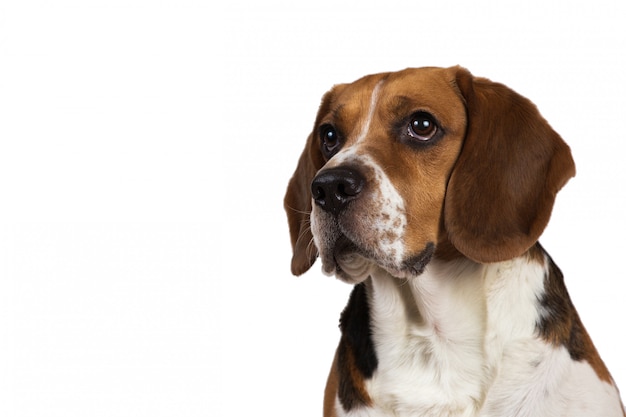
[
  {"x": 351, "y": 265},
  {"x": 345, "y": 261},
  {"x": 353, "y": 268}
]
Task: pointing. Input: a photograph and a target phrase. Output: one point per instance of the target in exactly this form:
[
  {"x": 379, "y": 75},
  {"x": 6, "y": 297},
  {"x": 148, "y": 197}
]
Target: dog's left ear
[{"x": 504, "y": 183}]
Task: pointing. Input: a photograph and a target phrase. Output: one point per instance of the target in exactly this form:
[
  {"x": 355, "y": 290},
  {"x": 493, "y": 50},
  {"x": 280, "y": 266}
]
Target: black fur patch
[
  {"x": 357, "y": 359},
  {"x": 561, "y": 325},
  {"x": 556, "y": 303}
]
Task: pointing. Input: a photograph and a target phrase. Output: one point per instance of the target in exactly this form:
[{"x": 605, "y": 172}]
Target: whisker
[
  {"x": 311, "y": 249},
  {"x": 307, "y": 212}
]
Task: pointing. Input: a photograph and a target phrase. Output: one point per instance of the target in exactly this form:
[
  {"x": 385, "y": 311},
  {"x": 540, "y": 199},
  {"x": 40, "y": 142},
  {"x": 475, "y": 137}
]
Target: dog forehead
[
  {"x": 420, "y": 77},
  {"x": 394, "y": 94},
  {"x": 431, "y": 86},
  {"x": 368, "y": 112}
]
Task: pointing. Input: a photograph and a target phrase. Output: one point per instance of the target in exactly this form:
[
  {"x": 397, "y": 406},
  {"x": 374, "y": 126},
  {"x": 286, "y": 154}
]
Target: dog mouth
[
  {"x": 354, "y": 244},
  {"x": 352, "y": 263}
]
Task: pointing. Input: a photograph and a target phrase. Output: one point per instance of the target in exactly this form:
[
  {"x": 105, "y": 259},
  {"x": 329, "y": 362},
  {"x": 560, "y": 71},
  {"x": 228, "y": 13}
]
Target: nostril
[
  {"x": 318, "y": 193},
  {"x": 350, "y": 187}
]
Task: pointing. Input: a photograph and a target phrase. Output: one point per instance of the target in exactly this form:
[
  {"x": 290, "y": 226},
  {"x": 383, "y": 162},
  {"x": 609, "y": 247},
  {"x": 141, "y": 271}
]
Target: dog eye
[
  {"x": 422, "y": 126},
  {"x": 330, "y": 140}
]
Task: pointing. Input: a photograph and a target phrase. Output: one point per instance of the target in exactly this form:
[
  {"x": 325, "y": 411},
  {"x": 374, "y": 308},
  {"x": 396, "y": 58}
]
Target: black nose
[{"x": 334, "y": 188}]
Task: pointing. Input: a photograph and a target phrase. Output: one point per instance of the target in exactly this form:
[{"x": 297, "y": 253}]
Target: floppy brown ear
[
  {"x": 298, "y": 207},
  {"x": 297, "y": 201},
  {"x": 503, "y": 185}
]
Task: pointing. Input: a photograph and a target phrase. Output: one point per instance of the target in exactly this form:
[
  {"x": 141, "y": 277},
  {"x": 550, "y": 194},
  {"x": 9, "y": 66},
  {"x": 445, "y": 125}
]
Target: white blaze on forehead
[
  {"x": 370, "y": 113},
  {"x": 349, "y": 153}
]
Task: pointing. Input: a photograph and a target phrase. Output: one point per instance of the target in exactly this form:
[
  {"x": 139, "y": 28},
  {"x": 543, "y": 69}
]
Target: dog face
[
  {"x": 388, "y": 153},
  {"x": 404, "y": 166}
]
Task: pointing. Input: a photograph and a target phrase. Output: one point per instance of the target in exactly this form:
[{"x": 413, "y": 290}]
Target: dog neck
[{"x": 433, "y": 328}]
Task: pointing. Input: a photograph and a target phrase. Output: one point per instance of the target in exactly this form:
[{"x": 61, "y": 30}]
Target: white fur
[
  {"x": 460, "y": 341},
  {"x": 428, "y": 341},
  {"x": 389, "y": 221},
  {"x": 542, "y": 380}
]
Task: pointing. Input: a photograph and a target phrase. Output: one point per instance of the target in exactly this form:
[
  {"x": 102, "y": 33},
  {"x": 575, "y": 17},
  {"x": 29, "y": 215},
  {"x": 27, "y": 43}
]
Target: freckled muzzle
[{"x": 358, "y": 221}]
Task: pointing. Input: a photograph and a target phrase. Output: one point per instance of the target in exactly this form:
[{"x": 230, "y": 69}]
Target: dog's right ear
[
  {"x": 298, "y": 198},
  {"x": 298, "y": 207}
]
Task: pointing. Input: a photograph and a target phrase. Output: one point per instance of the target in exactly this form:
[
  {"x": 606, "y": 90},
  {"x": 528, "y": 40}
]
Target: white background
[{"x": 145, "y": 147}]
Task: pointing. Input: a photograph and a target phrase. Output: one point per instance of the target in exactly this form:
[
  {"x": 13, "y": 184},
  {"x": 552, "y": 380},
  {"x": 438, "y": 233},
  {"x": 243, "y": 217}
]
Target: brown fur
[
  {"x": 330, "y": 392},
  {"x": 486, "y": 190},
  {"x": 505, "y": 181},
  {"x": 351, "y": 388},
  {"x": 298, "y": 198}
]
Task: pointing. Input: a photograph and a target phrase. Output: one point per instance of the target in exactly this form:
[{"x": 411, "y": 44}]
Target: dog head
[{"x": 404, "y": 166}]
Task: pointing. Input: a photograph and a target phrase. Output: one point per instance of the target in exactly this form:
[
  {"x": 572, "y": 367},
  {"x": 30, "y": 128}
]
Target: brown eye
[
  {"x": 330, "y": 140},
  {"x": 422, "y": 126}
]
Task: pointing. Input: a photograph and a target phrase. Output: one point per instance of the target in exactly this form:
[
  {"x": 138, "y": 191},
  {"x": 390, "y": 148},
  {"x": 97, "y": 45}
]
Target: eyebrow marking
[
  {"x": 401, "y": 104},
  {"x": 336, "y": 111}
]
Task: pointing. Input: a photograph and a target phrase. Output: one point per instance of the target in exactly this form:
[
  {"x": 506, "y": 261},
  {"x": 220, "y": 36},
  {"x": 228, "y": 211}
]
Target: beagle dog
[{"x": 427, "y": 189}]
